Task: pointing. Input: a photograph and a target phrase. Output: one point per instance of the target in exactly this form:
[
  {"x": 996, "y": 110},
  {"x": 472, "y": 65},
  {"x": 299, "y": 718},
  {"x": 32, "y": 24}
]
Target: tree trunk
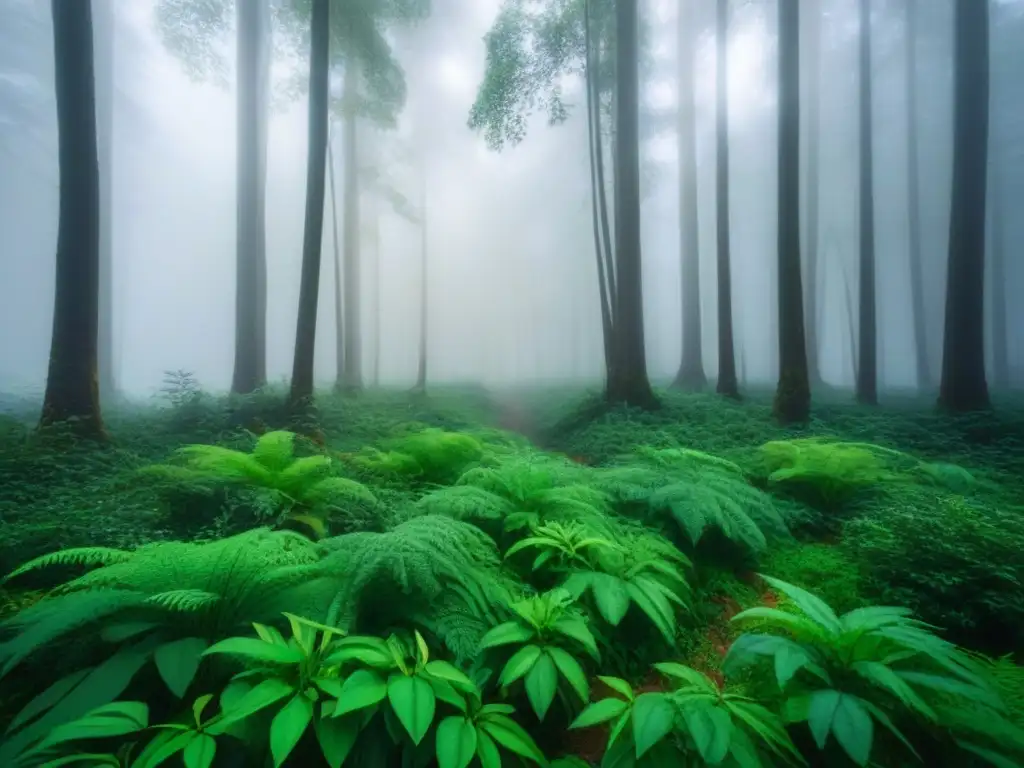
[
  {"x": 339, "y": 303},
  {"x": 726, "y": 353},
  {"x": 250, "y": 371},
  {"x": 631, "y": 385},
  {"x": 316, "y": 168},
  {"x": 353, "y": 284},
  {"x": 377, "y": 301},
  {"x": 867, "y": 331},
  {"x": 72, "y": 388},
  {"x": 1000, "y": 297},
  {"x": 923, "y": 368},
  {"x": 811, "y": 258},
  {"x": 421, "y": 369},
  {"x": 103, "y": 18},
  {"x": 691, "y": 367},
  {"x": 793, "y": 396},
  {"x": 963, "y": 386}
]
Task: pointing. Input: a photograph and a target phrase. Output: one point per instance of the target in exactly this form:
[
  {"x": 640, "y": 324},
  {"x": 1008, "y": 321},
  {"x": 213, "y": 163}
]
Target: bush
[{"x": 955, "y": 561}]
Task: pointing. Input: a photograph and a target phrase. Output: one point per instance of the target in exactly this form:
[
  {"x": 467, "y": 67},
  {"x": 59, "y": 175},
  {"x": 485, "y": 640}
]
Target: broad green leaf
[
  {"x": 571, "y": 670},
  {"x": 178, "y": 661},
  {"x": 522, "y": 661},
  {"x": 288, "y": 726},
  {"x": 265, "y": 694},
  {"x": 600, "y": 712},
  {"x": 456, "y": 742},
  {"x": 845, "y": 717},
  {"x": 611, "y": 597},
  {"x": 162, "y": 747},
  {"x": 487, "y": 750},
  {"x": 655, "y": 607},
  {"x": 711, "y": 729},
  {"x": 576, "y": 629},
  {"x": 542, "y": 684},
  {"x": 618, "y": 685},
  {"x": 509, "y": 633},
  {"x": 337, "y": 736},
  {"x": 200, "y": 751},
  {"x": 687, "y": 675},
  {"x": 512, "y": 737},
  {"x": 653, "y": 718},
  {"x": 885, "y": 678},
  {"x": 445, "y": 671},
  {"x": 815, "y": 608},
  {"x": 363, "y": 688},
  {"x": 253, "y": 649},
  {"x": 118, "y": 718},
  {"x": 413, "y": 702},
  {"x": 47, "y": 698}
]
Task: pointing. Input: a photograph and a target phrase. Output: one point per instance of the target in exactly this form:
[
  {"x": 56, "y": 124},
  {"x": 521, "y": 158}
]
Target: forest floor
[{"x": 953, "y": 557}]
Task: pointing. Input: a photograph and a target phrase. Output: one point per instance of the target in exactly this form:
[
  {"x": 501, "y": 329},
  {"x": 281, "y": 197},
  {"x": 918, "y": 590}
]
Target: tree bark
[
  {"x": 103, "y": 18},
  {"x": 691, "y": 374},
  {"x": 793, "y": 395},
  {"x": 1000, "y": 296},
  {"x": 339, "y": 302},
  {"x": 963, "y": 386},
  {"x": 353, "y": 379},
  {"x": 316, "y": 170},
  {"x": 811, "y": 258},
  {"x": 867, "y": 330},
  {"x": 630, "y": 386},
  {"x": 920, "y": 321},
  {"x": 726, "y": 352},
  {"x": 250, "y": 370},
  {"x": 72, "y": 387},
  {"x": 377, "y": 302},
  {"x": 421, "y": 369}
]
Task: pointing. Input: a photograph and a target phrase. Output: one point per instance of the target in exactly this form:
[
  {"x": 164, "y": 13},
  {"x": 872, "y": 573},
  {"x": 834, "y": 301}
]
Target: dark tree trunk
[
  {"x": 923, "y": 368},
  {"x": 691, "y": 367},
  {"x": 375, "y": 244},
  {"x": 1000, "y": 297},
  {"x": 811, "y": 258},
  {"x": 353, "y": 379},
  {"x": 963, "y": 386},
  {"x": 793, "y": 396},
  {"x": 72, "y": 388},
  {"x": 251, "y": 174},
  {"x": 339, "y": 303},
  {"x": 867, "y": 331},
  {"x": 316, "y": 170},
  {"x": 103, "y": 18},
  {"x": 726, "y": 353},
  {"x": 631, "y": 385}
]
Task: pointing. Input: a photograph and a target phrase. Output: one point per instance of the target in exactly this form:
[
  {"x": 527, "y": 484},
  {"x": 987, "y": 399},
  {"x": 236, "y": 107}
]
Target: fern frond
[
  {"x": 226, "y": 464},
  {"x": 275, "y": 450},
  {"x": 337, "y": 490},
  {"x": 85, "y": 556},
  {"x": 301, "y": 474},
  {"x": 465, "y": 502},
  {"x": 183, "y": 600}
]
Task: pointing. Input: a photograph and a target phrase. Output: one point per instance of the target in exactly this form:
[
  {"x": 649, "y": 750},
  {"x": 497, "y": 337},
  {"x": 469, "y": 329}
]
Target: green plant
[
  {"x": 830, "y": 569},
  {"x": 843, "y": 674},
  {"x": 429, "y": 457},
  {"x": 695, "y": 723},
  {"x": 544, "y": 625}
]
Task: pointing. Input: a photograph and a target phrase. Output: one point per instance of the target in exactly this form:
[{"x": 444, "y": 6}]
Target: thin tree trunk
[
  {"x": 421, "y": 369},
  {"x": 72, "y": 388},
  {"x": 1000, "y": 297},
  {"x": 793, "y": 396},
  {"x": 103, "y": 18},
  {"x": 963, "y": 386},
  {"x": 250, "y": 370},
  {"x": 867, "y": 331},
  {"x": 691, "y": 367},
  {"x": 811, "y": 259},
  {"x": 316, "y": 170},
  {"x": 339, "y": 302},
  {"x": 923, "y": 367},
  {"x": 375, "y": 228},
  {"x": 726, "y": 353},
  {"x": 631, "y": 386},
  {"x": 353, "y": 262}
]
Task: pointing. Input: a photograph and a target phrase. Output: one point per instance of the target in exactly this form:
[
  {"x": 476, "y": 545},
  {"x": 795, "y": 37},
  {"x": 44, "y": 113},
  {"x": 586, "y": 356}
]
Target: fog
[{"x": 512, "y": 279}]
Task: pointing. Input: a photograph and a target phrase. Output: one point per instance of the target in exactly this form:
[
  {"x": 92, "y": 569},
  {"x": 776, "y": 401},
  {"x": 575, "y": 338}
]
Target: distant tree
[
  {"x": 963, "y": 386},
  {"x": 793, "y": 395},
  {"x": 316, "y": 167},
  {"x": 103, "y": 50},
  {"x": 691, "y": 367},
  {"x": 812, "y": 245},
  {"x": 1000, "y": 292},
  {"x": 867, "y": 335},
  {"x": 727, "y": 384},
  {"x": 72, "y": 388}
]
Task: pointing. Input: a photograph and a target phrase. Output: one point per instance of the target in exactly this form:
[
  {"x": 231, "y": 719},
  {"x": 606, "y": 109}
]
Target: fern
[
  {"x": 87, "y": 556},
  {"x": 428, "y": 457}
]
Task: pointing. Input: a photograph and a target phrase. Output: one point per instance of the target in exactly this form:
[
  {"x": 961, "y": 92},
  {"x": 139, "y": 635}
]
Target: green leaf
[
  {"x": 178, "y": 661},
  {"x": 200, "y": 752},
  {"x": 47, "y": 698},
  {"x": 256, "y": 650},
  {"x": 414, "y": 703},
  {"x": 456, "y": 742},
  {"x": 618, "y": 685},
  {"x": 814, "y": 607},
  {"x": 265, "y": 694},
  {"x": 599, "y": 712},
  {"x": 288, "y": 726},
  {"x": 337, "y": 736},
  {"x": 512, "y": 737},
  {"x": 164, "y": 746},
  {"x": 487, "y": 750},
  {"x": 711, "y": 729},
  {"x": 611, "y": 597},
  {"x": 542, "y": 684},
  {"x": 445, "y": 671},
  {"x": 688, "y": 675},
  {"x": 91, "y": 760},
  {"x": 116, "y": 719},
  {"x": 371, "y": 651},
  {"x": 653, "y": 719},
  {"x": 363, "y": 688},
  {"x": 577, "y": 630},
  {"x": 509, "y": 633},
  {"x": 522, "y": 661},
  {"x": 885, "y": 678},
  {"x": 846, "y": 718},
  {"x": 571, "y": 670}
]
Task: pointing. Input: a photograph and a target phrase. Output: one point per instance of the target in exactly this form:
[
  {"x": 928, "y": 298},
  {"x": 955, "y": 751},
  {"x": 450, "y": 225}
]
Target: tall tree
[
  {"x": 316, "y": 167},
  {"x": 915, "y": 256},
  {"x": 339, "y": 281},
  {"x": 811, "y": 244},
  {"x": 691, "y": 367},
  {"x": 867, "y": 332},
  {"x": 793, "y": 395},
  {"x": 72, "y": 388},
  {"x": 963, "y": 386},
  {"x": 352, "y": 377},
  {"x": 727, "y": 384},
  {"x": 421, "y": 367},
  {"x": 103, "y": 49},
  {"x": 1000, "y": 294}
]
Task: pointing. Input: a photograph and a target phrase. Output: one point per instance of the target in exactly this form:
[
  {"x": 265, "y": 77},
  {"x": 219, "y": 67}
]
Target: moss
[{"x": 825, "y": 569}]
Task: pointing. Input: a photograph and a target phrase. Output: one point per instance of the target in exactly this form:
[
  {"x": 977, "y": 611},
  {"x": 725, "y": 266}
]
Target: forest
[{"x": 562, "y": 383}]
